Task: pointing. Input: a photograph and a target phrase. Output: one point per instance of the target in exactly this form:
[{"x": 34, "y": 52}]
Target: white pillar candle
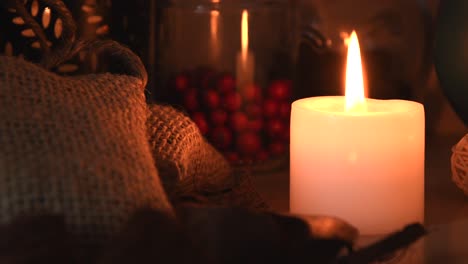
[{"x": 361, "y": 160}]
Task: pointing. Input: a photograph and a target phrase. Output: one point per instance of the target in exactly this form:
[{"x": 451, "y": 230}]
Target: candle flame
[
  {"x": 214, "y": 23},
  {"x": 354, "y": 89},
  {"x": 245, "y": 34}
]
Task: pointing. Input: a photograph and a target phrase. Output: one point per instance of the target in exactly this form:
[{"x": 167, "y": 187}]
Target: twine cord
[
  {"x": 36, "y": 28},
  {"x": 123, "y": 60},
  {"x": 459, "y": 164}
]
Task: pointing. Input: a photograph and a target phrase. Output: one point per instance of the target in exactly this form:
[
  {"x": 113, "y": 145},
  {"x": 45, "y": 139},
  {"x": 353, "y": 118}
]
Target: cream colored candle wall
[{"x": 364, "y": 167}]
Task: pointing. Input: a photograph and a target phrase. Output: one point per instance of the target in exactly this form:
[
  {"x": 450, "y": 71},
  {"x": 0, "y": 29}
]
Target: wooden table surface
[{"x": 446, "y": 206}]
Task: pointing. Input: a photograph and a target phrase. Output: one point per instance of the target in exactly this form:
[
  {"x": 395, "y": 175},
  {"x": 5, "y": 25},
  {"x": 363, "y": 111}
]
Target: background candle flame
[
  {"x": 245, "y": 62},
  {"x": 354, "y": 89},
  {"x": 214, "y": 16},
  {"x": 214, "y": 30},
  {"x": 245, "y": 34}
]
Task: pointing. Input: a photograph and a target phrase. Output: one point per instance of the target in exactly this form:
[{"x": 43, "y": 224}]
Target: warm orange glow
[
  {"x": 214, "y": 23},
  {"x": 345, "y": 36},
  {"x": 354, "y": 89},
  {"x": 245, "y": 34}
]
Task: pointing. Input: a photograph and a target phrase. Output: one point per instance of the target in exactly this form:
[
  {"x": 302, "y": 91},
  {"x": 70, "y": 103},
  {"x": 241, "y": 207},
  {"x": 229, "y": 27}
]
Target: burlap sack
[
  {"x": 190, "y": 167},
  {"x": 75, "y": 146},
  {"x": 83, "y": 139}
]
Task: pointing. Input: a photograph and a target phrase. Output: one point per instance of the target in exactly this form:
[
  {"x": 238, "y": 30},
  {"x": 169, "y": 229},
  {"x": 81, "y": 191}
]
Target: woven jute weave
[
  {"x": 75, "y": 146},
  {"x": 460, "y": 164},
  {"x": 181, "y": 153},
  {"x": 189, "y": 166}
]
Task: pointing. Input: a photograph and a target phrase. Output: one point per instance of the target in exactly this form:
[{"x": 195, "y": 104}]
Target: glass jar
[
  {"x": 395, "y": 39},
  {"x": 228, "y": 65}
]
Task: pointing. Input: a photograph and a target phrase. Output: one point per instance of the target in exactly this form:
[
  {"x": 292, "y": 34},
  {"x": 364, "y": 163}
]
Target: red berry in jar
[
  {"x": 239, "y": 121},
  {"x": 247, "y": 159},
  {"x": 253, "y": 110},
  {"x": 181, "y": 82},
  {"x": 212, "y": 99},
  {"x": 200, "y": 121},
  {"x": 191, "y": 100},
  {"x": 277, "y": 148},
  {"x": 270, "y": 108},
  {"x": 226, "y": 83},
  {"x": 276, "y": 128},
  {"x": 263, "y": 155},
  {"x": 221, "y": 137},
  {"x": 251, "y": 93},
  {"x": 219, "y": 117},
  {"x": 201, "y": 76},
  {"x": 232, "y": 101},
  {"x": 248, "y": 143},
  {"x": 280, "y": 89},
  {"x": 255, "y": 125},
  {"x": 207, "y": 79},
  {"x": 285, "y": 110},
  {"x": 232, "y": 157}
]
